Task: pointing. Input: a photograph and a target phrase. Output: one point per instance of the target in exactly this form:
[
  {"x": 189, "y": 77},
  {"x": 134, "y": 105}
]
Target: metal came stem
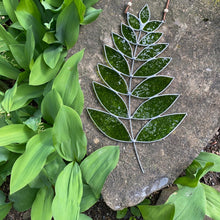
[{"x": 129, "y": 106}]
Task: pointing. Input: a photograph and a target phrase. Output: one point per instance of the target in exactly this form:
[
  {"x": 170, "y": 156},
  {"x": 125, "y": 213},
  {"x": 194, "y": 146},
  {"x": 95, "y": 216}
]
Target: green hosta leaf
[
  {"x": 54, "y": 3},
  {"x": 205, "y": 157},
  {"x": 128, "y": 33},
  {"x": 110, "y": 100},
  {"x": 113, "y": 79},
  {"x": 190, "y": 203},
  {"x": 152, "y": 67},
  {"x": 152, "y": 26},
  {"x": 16, "y": 148},
  {"x": 29, "y": 165},
  {"x": 89, "y": 3},
  {"x": 144, "y": 14},
  {"x": 7, "y": 70},
  {"x": 155, "y": 106},
  {"x": 15, "y": 133},
  {"x": 69, "y": 190},
  {"x": 10, "y": 6},
  {"x": 150, "y": 38},
  {"x": 159, "y": 128},
  {"x": 29, "y": 46},
  {"x": 4, "y": 155},
  {"x": 67, "y": 31},
  {"x": 88, "y": 198},
  {"x": 53, "y": 168},
  {"x": 52, "y": 55},
  {"x": 116, "y": 60},
  {"x": 41, "y": 73},
  {"x": 121, "y": 213},
  {"x": 34, "y": 121},
  {"x": 42, "y": 206},
  {"x": 97, "y": 166},
  {"x": 17, "y": 51},
  {"x": 51, "y": 105},
  {"x": 165, "y": 212},
  {"x": 23, "y": 94},
  {"x": 212, "y": 202},
  {"x": 23, "y": 199},
  {"x": 135, "y": 212},
  {"x": 109, "y": 125},
  {"x": 91, "y": 15},
  {"x": 4, "y": 207},
  {"x": 78, "y": 102},
  {"x": 69, "y": 138},
  {"x": 6, "y": 36},
  {"x": 67, "y": 81},
  {"x": 84, "y": 217},
  {"x": 122, "y": 45},
  {"x": 49, "y": 37},
  {"x": 152, "y": 86},
  {"x": 133, "y": 21},
  {"x": 151, "y": 51}
]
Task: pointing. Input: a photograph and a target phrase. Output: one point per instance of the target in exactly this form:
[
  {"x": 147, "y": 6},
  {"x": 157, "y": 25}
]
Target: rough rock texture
[{"x": 192, "y": 30}]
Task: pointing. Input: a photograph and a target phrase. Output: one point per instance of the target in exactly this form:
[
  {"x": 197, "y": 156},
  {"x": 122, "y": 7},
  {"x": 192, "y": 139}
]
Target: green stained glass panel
[
  {"x": 110, "y": 100},
  {"x": 113, "y": 79},
  {"x": 152, "y": 86},
  {"x": 122, "y": 45},
  {"x": 150, "y": 38},
  {"x": 152, "y": 67},
  {"x": 144, "y": 14},
  {"x": 133, "y": 21},
  {"x": 152, "y": 26},
  {"x": 109, "y": 125},
  {"x": 155, "y": 106},
  {"x": 160, "y": 127},
  {"x": 116, "y": 60},
  {"x": 151, "y": 51},
  {"x": 128, "y": 33}
]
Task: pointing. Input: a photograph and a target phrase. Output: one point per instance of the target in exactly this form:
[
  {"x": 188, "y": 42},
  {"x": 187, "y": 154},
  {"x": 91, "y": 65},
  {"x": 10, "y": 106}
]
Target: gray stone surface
[{"x": 192, "y": 30}]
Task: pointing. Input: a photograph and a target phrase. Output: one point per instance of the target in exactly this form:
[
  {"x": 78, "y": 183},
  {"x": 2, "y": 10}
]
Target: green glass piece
[
  {"x": 150, "y": 38},
  {"x": 133, "y": 21},
  {"x": 152, "y": 86},
  {"x": 113, "y": 79},
  {"x": 159, "y": 128},
  {"x": 116, "y": 60},
  {"x": 151, "y": 51},
  {"x": 145, "y": 14},
  {"x": 110, "y": 100},
  {"x": 122, "y": 45},
  {"x": 155, "y": 106},
  {"x": 128, "y": 33},
  {"x": 109, "y": 125},
  {"x": 152, "y": 67},
  {"x": 152, "y": 26}
]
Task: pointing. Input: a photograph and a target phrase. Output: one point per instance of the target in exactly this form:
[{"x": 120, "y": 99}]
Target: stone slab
[{"x": 192, "y": 31}]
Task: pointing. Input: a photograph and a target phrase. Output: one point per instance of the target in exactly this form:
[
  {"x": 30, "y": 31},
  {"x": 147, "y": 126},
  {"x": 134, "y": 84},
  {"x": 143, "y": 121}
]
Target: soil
[{"x": 100, "y": 211}]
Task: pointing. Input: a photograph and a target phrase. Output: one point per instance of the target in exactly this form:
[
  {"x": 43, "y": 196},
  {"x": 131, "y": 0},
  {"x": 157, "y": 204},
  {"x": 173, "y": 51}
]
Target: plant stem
[{"x": 129, "y": 104}]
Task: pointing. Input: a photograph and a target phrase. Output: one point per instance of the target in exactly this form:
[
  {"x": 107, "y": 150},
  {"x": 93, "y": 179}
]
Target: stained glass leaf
[
  {"x": 110, "y": 100},
  {"x": 144, "y": 14},
  {"x": 151, "y": 51},
  {"x": 150, "y": 38},
  {"x": 159, "y": 128},
  {"x": 152, "y": 86},
  {"x": 122, "y": 45},
  {"x": 133, "y": 21},
  {"x": 152, "y": 67},
  {"x": 113, "y": 79},
  {"x": 152, "y": 26},
  {"x": 155, "y": 106},
  {"x": 128, "y": 33},
  {"x": 116, "y": 60},
  {"x": 109, "y": 125}
]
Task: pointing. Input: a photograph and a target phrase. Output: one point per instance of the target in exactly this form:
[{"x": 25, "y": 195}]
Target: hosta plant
[
  {"x": 138, "y": 45},
  {"x": 42, "y": 142}
]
